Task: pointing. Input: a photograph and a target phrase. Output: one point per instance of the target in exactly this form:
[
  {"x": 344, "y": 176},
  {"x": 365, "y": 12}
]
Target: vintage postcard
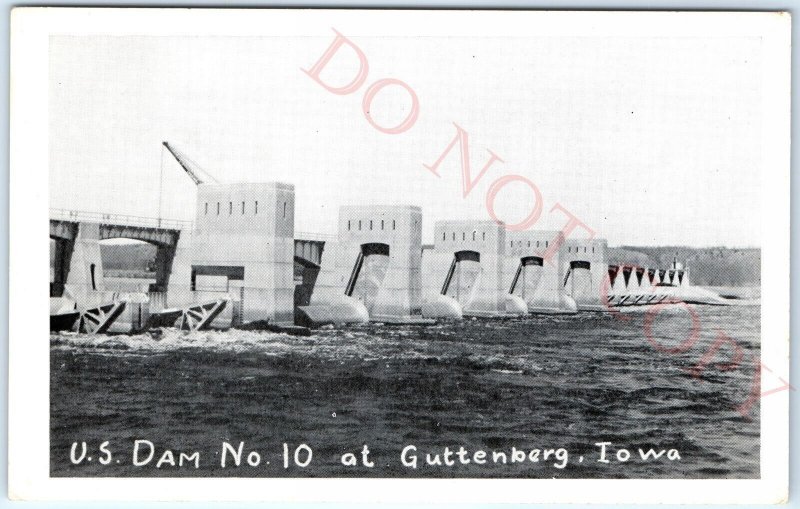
[{"x": 443, "y": 256}]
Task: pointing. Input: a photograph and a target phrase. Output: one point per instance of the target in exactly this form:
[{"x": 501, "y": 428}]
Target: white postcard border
[{"x": 29, "y": 452}]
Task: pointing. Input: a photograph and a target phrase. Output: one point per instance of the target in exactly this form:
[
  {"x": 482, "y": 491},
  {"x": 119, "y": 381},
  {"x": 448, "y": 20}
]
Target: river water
[{"x": 532, "y": 383}]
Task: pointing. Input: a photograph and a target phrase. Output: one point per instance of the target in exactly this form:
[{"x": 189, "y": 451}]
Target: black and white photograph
[{"x": 405, "y": 245}]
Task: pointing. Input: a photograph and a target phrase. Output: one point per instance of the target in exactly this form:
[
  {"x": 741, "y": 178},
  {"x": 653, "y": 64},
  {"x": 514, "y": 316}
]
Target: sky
[{"x": 649, "y": 141}]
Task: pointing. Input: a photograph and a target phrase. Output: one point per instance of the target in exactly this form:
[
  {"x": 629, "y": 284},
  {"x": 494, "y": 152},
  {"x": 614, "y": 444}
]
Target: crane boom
[{"x": 182, "y": 160}]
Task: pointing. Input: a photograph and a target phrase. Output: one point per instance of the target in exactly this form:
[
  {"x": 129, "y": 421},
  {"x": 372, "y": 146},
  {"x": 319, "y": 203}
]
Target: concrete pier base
[
  {"x": 586, "y": 272},
  {"x": 374, "y": 261},
  {"x": 464, "y": 269},
  {"x": 85, "y": 282},
  {"x": 534, "y": 274},
  {"x": 243, "y": 250}
]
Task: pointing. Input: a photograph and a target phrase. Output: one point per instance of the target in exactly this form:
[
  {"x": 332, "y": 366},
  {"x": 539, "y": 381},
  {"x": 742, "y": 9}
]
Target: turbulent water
[{"x": 558, "y": 385}]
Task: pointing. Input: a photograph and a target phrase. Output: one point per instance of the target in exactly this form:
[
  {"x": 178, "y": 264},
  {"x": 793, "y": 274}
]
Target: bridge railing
[
  {"x": 122, "y": 219},
  {"x": 153, "y": 222}
]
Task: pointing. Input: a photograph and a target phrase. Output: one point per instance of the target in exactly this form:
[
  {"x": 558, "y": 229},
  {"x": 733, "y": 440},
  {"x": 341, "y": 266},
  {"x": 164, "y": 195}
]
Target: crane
[{"x": 187, "y": 165}]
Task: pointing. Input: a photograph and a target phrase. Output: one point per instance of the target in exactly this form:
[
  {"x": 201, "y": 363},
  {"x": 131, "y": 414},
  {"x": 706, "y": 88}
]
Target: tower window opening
[
  {"x": 546, "y": 243},
  {"x": 584, "y": 249},
  {"x": 529, "y": 243},
  {"x": 444, "y": 235},
  {"x": 206, "y": 208},
  {"x": 256, "y": 209},
  {"x": 348, "y": 226},
  {"x": 370, "y": 224},
  {"x": 217, "y": 208},
  {"x": 592, "y": 249},
  {"x": 381, "y": 224},
  {"x": 537, "y": 243},
  {"x": 230, "y": 207},
  {"x": 463, "y": 236},
  {"x": 484, "y": 235},
  {"x": 284, "y": 210},
  {"x": 454, "y": 236},
  {"x": 242, "y": 208},
  {"x": 359, "y": 225},
  {"x": 393, "y": 225},
  {"x": 473, "y": 235}
]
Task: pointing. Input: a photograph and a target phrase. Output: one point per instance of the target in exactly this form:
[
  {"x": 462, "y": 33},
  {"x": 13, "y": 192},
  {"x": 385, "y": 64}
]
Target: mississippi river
[{"x": 528, "y": 384}]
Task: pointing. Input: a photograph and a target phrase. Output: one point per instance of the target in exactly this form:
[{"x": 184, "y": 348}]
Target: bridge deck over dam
[
  {"x": 65, "y": 224},
  {"x": 77, "y": 261},
  {"x": 79, "y": 233}
]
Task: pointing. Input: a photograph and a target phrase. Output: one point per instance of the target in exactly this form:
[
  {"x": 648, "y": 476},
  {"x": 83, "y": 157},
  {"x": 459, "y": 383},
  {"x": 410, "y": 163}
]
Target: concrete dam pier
[
  {"x": 243, "y": 245},
  {"x": 371, "y": 270},
  {"x": 241, "y": 262},
  {"x": 464, "y": 272}
]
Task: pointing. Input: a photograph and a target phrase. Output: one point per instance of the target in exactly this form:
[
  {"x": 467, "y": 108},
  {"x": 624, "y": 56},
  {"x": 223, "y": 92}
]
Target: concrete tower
[
  {"x": 463, "y": 274},
  {"x": 372, "y": 270},
  {"x": 538, "y": 281},
  {"x": 243, "y": 246}
]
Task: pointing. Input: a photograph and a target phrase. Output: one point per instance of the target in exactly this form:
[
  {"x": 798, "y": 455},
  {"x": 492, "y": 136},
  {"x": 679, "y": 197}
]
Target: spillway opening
[
  {"x": 305, "y": 277},
  {"x": 613, "y": 270},
  {"x": 132, "y": 265},
  {"x": 368, "y": 273},
  {"x": 626, "y": 275},
  {"x": 639, "y": 275},
  {"x": 462, "y": 277},
  {"x": 527, "y": 277},
  {"x": 216, "y": 278},
  {"x": 581, "y": 276}
]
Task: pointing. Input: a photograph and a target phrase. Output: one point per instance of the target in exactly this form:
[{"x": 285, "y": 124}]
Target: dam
[{"x": 241, "y": 263}]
